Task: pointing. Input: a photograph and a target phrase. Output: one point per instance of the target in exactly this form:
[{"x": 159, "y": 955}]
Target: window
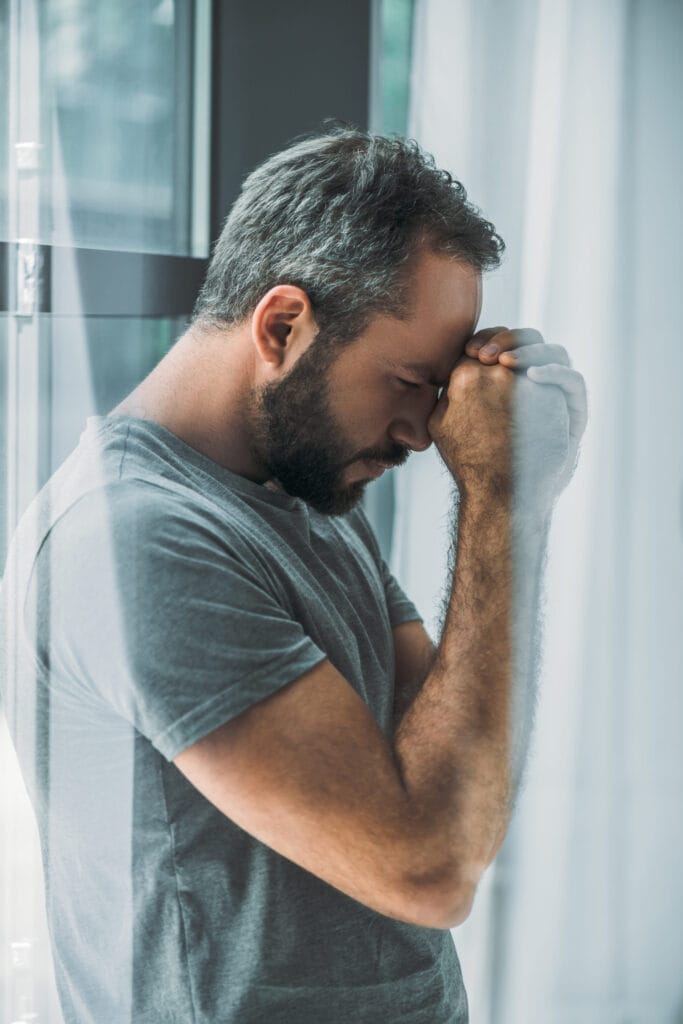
[{"x": 104, "y": 234}]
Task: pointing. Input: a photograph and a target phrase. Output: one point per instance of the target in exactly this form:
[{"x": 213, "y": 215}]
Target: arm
[
  {"x": 406, "y": 828},
  {"x": 414, "y": 655},
  {"x": 461, "y": 745},
  {"x": 308, "y": 772},
  {"x": 550, "y": 365}
]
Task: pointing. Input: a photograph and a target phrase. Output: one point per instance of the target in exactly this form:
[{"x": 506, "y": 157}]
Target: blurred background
[{"x": 125, "y": 130}]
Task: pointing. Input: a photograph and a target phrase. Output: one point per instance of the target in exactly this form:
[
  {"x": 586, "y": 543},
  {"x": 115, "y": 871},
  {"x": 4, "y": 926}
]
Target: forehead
[{"x": 446, "y": 297}]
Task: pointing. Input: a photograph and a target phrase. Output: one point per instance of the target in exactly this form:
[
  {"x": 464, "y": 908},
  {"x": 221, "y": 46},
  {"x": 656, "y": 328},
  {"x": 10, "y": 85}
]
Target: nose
[{"x": 411, "y": 430}]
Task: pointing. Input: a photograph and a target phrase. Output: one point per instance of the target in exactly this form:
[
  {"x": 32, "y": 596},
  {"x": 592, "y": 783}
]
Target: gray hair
[{"x": 340, "y": 214}]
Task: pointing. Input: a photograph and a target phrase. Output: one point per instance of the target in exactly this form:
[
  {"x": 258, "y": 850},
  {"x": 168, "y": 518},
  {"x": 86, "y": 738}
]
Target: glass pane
[
  {"x": 3, "y": 439},
  {"x": 80, "y": 367},
  {"x": 27, "y": 986},
  {"x": 4, "y": 113},
  {"x": 394, "y": 55},
  {"x": 396, "y": 46},
  {"x": 83, "y": 367},
  {"x": 95, "y": 362},
  {"x": 27, "y": 990},
  {"x": 117, "y": 108}
]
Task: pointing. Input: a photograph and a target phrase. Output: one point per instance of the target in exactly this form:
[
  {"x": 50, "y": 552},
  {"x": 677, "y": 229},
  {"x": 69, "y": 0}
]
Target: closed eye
[{"x": 439, "y": 388}]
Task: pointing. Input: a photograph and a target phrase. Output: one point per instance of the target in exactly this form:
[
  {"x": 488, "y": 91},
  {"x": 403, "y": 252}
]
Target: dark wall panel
[{"x": 281, "y": 66}]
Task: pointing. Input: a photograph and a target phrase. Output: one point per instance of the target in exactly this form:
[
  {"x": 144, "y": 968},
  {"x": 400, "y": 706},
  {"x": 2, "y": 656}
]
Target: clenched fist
[{"x": 511, "y": 428}]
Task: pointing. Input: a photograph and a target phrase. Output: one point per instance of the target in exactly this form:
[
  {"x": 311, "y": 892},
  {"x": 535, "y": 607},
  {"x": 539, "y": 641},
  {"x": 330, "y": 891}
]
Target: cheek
[{"x": 365, "y": 412}]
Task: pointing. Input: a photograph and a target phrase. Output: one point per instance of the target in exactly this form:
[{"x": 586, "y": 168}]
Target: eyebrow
[{"x": 423, "y": 370}]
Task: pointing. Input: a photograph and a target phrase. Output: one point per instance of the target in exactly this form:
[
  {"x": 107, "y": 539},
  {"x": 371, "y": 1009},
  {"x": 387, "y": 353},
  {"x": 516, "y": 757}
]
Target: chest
[{"x": 327, "y": 580}]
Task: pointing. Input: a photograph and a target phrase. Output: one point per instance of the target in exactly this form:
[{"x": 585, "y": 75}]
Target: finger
[
  {"x": 506, "y": 340},
  {"x": 534, "y": 355},
  {"x": 481, "y": 337},
  {"x": 574, "y": 388}
]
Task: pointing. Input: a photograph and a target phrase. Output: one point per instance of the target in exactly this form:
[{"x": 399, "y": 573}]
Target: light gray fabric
[{"x": 151, "y": 596}]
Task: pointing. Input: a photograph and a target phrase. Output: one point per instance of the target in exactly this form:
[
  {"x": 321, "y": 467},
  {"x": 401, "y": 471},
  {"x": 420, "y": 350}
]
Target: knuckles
[
  {"x": 519, "y": 337},
  {"x": 471, "y": 374}
]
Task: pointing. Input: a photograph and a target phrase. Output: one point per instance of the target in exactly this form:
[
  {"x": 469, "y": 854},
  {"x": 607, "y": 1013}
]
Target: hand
[
  {"x": 474, "y": 437},
  {"x": 525, "y": 349},
  {"x": 517, "y": 349},
  {"x": 471, "y": 426}
]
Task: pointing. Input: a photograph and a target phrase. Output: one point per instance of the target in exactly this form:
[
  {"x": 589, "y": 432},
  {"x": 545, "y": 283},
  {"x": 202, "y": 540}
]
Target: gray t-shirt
[{"x": 151, "y": 596}]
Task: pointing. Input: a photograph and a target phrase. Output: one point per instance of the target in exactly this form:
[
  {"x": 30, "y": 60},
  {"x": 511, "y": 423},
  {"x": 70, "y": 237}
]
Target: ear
[{"x": 282, "y": 326}]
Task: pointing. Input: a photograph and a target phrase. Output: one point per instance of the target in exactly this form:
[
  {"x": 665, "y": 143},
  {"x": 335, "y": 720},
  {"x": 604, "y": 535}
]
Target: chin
[{"x": 339, "y": 502}]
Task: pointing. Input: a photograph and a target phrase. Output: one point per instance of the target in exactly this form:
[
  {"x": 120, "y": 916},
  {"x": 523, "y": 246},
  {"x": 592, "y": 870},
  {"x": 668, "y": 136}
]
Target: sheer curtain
[{"x": 563, "y": 119}]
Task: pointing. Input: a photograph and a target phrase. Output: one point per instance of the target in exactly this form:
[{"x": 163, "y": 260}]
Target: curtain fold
[{"x": 563, "y": 120}]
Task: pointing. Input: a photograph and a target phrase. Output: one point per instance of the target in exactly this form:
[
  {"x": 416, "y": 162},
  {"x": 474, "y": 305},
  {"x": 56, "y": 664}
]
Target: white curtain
[{"x": 564, "y": 120}]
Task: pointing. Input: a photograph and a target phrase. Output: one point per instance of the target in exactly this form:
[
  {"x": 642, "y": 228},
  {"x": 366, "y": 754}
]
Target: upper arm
[
  {"x": 414, "y": 655},
  {"x": 171, "y": 625},
  {"x": 308, "y": 772}
]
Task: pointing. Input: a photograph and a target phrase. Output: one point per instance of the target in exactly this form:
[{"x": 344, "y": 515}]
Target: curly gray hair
[{"x": 340, "y": 214}]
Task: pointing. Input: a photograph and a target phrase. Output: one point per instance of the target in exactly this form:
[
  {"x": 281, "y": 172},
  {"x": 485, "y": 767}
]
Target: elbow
[{"x": 438, "y": 880}]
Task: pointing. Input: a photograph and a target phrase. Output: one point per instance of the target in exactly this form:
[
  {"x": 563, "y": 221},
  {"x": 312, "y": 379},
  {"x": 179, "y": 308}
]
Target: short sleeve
[{"x": 158, "y": 612}]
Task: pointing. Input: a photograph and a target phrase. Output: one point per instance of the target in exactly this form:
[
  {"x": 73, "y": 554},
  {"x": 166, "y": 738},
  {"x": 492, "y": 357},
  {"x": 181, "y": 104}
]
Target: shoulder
[
  {"x": 139, "y": 524},
  {"x": 131, "y": 503}
]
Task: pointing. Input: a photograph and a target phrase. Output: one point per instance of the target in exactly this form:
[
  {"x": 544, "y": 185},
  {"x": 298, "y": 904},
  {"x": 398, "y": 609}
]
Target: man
[{"x": 263, "y": 794}]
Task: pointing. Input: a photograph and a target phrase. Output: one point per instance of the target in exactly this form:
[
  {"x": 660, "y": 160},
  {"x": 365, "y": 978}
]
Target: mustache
[{"x": 397, "y": 456}]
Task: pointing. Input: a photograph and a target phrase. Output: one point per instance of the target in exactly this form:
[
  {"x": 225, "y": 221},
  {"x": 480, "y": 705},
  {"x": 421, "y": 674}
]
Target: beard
[{"x": 298, "y": 440}]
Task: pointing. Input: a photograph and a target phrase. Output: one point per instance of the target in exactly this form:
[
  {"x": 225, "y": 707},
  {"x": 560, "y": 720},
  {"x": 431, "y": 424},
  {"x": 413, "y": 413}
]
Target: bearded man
[{"x": 263, "y": 793}]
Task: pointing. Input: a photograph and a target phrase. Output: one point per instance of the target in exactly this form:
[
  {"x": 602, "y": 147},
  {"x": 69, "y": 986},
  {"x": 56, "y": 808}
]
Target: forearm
[{"x": 461, "y": 746}]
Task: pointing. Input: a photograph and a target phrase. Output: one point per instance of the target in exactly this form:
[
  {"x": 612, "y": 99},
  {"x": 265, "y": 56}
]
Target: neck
[{"x": 200, "y": 391}]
